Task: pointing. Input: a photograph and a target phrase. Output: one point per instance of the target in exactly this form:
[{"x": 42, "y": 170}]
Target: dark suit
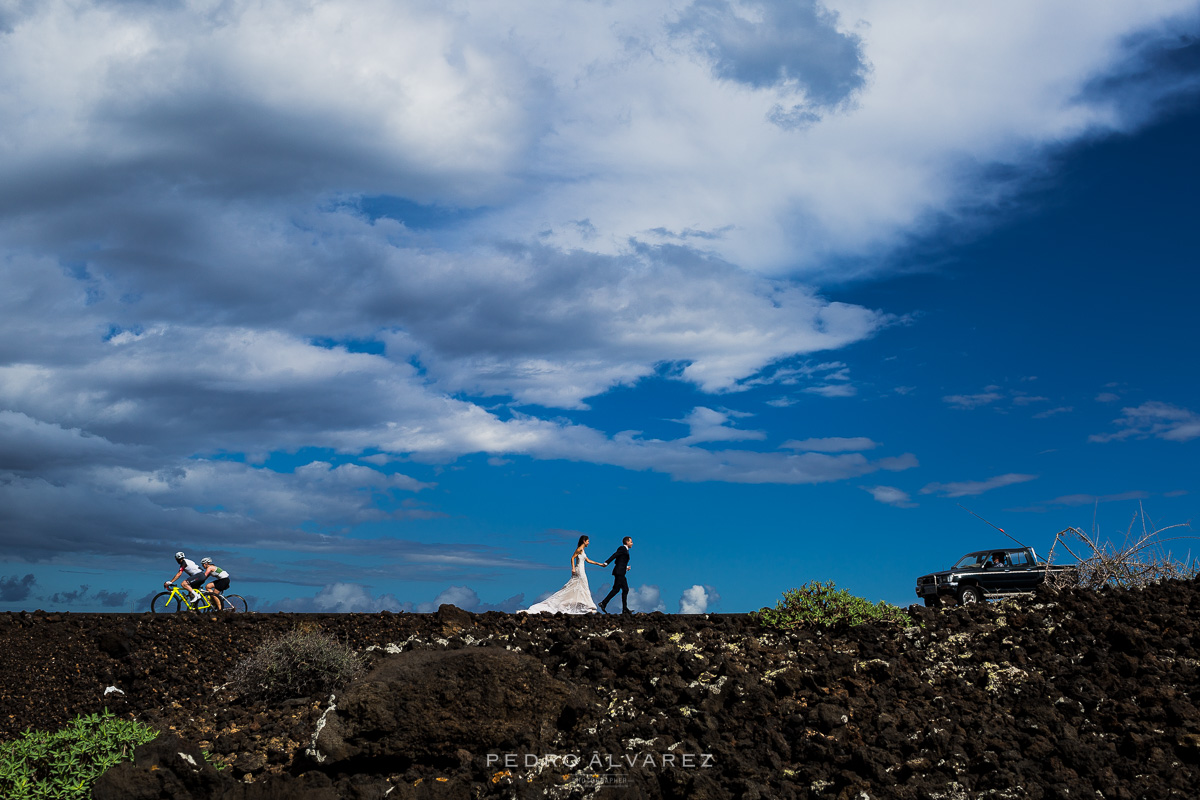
[{"x": 620, "y": 584}]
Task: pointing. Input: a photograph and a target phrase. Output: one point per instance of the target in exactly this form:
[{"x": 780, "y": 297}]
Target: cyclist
[
  {"x": 194, "y": 579},
  {"x": 220, "y": 580}
]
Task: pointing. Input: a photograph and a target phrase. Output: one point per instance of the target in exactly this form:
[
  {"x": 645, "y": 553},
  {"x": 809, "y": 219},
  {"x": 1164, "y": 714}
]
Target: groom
[{"x": 620, "y": 584}]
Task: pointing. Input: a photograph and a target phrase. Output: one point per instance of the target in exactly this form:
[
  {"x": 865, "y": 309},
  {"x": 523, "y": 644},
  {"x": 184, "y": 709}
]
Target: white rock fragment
[{"x": 313, "y": 751}]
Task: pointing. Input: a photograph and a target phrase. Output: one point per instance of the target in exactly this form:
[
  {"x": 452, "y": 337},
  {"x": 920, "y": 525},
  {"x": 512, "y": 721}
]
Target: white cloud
[
  {"x": 344, "y": 598},
  {"x": 891, "y": 496},
  {"x": 462, "y": 596},
  {"x": 833, "y": 390},
  {"x": 971, "y": 488},
  {"x": 1154, "y": 419},
  {"x": 646, "y": 598},
  {"x": 831, "y": 444},
  {"x": 1071, "y": 500},
  {"x": 967, "y": 401},
  {"x": 625, "y": 108},
  {"x": 341, "y": 598},
  {"x": 349, "y": 597},
  {"x": 203, "y": 213},
  {"x": 993, "y": 395},
  {"x": 696, "y": 599},
  {"x": 1050, "y": 412},
  {"x": 707, "y": 425}
]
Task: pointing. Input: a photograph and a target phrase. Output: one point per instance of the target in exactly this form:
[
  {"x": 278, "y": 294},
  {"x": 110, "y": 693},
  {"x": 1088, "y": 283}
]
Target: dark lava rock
[
  {"x": 170, "y": 767},
  {"x": 165, "y": 767},
  {"x": 453, "y": 619},
  {"x": 1064, "y": 694},
  {"x": 113, "y": 644},
  {"x": 429, "y": 705}
]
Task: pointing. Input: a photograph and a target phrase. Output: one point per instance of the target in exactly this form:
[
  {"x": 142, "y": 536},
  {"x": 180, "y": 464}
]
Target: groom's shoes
[
  {"x": 604, "y": 608},
  {"x": 626, "y": 611}
]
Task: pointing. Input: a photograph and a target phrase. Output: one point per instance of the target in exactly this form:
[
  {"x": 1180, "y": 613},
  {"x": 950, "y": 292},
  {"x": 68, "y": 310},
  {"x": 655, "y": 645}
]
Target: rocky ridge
[{"x": 1068, "y": 694}]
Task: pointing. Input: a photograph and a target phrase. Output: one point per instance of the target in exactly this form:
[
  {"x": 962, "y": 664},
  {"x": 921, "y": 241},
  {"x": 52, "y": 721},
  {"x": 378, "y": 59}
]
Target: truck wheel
[{"x": 968, "y": 595}]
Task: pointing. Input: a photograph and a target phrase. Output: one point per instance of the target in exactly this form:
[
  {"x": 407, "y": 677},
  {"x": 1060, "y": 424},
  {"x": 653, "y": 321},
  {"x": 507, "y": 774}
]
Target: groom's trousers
[{"x": 620, "y": 584}]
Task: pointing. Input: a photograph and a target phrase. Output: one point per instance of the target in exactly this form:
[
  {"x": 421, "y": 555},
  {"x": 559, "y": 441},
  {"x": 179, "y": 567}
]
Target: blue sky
[{"x": 381, "y": 306}]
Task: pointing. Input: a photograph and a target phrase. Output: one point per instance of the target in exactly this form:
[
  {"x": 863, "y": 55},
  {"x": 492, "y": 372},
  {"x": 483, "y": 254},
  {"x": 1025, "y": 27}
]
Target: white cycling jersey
[{"x": 191, "y": 568}]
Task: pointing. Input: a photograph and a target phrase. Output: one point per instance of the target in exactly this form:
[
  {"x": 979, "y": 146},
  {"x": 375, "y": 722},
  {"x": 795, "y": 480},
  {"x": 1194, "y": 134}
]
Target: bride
[{"x": 576, "y": 596}]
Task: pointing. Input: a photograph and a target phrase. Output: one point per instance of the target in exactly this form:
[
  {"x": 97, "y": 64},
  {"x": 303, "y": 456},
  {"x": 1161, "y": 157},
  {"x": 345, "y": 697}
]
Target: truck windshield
[{"x": 973, "y": 560}]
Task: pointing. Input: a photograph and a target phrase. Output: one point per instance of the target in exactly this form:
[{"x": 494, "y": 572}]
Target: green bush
[
  {"x": 66, "y": 763},
  {"x": 297, "y": 664},
  {"x": 817, "y": 604}
]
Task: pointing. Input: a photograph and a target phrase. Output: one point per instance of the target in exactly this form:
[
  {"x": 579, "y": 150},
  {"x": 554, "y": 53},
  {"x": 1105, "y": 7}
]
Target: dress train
[{"x": 573, "y": 598}]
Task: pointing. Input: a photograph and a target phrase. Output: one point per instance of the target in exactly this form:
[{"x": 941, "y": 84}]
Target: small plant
[
  {"x": 817, "y": 604},
  {"x": 299, "y": 663},
  {"x": 66, "y": 763}
]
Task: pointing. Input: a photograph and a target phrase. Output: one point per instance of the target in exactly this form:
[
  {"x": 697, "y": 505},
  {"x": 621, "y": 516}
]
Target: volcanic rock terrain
[{"x": 1061, "y": 695}]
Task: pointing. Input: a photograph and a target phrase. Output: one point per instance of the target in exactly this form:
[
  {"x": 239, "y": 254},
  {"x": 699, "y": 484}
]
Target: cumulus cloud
[
  {"x": 341, "y": 598},
  {"x": 349, "y": 597},
  {"x": 1153, "y": 419},
  {"x": 971, "y": 488},
  {"x": 707, "y": 425},
  {"x": 768, "y": 44},
  {"x": 462, "y": 596},
  {"x": 646, "y": 598},
  {"x": 507, "y": 605},
  {"x": 891, "y": 496},
  {"x": 696, "y": 599},
  {"x": 81, "y": 597},
  {"x": 136, "y": 470},
  {"x": 14, "y": 589},
  {"x": 111, "y": 599}
]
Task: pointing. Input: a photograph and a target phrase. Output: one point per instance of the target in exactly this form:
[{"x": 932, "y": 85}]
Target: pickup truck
[{"x": 985, "y": 574}]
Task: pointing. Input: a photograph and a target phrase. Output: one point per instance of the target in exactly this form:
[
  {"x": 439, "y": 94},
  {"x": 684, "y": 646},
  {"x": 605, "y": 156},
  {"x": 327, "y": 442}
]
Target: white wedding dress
[{"x": 574, "y": 598}]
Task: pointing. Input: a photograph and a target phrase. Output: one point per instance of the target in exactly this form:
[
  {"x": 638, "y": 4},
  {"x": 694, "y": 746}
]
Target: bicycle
[{"x": 175, "y": 599}]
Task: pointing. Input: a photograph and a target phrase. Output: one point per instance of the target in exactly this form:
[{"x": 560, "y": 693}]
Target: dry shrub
[
  {"x": 1142, "y": 560},
  {"x": 300, "y": 663}
]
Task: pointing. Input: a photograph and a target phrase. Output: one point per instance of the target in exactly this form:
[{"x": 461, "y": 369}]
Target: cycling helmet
[
  {"x": 206, "y": 560},
  {"x": 180, "y": 556}
]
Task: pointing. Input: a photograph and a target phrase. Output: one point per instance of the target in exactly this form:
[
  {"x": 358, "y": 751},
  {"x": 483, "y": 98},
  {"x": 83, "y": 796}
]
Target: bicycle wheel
[
  {"x": 236, "y": 603},
  {"x": 206, "y": 603},
  {"x": 164, "y": 602}
]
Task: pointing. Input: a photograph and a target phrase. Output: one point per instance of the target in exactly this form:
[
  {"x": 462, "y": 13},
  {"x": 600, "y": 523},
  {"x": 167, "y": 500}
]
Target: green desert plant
[
  {"x": 817, "y": 604},
  {"x": 66, "y": 763},
  {"x": 299, "y": 663}
]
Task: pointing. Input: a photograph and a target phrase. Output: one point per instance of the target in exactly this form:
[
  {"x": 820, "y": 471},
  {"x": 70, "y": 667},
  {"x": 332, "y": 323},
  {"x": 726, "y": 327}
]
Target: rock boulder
[{"x": 446, "y": 707}]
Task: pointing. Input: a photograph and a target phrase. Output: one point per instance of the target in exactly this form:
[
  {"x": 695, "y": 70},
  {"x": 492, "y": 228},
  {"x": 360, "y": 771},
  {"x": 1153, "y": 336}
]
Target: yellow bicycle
[{"x": 175, "y": 599}]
